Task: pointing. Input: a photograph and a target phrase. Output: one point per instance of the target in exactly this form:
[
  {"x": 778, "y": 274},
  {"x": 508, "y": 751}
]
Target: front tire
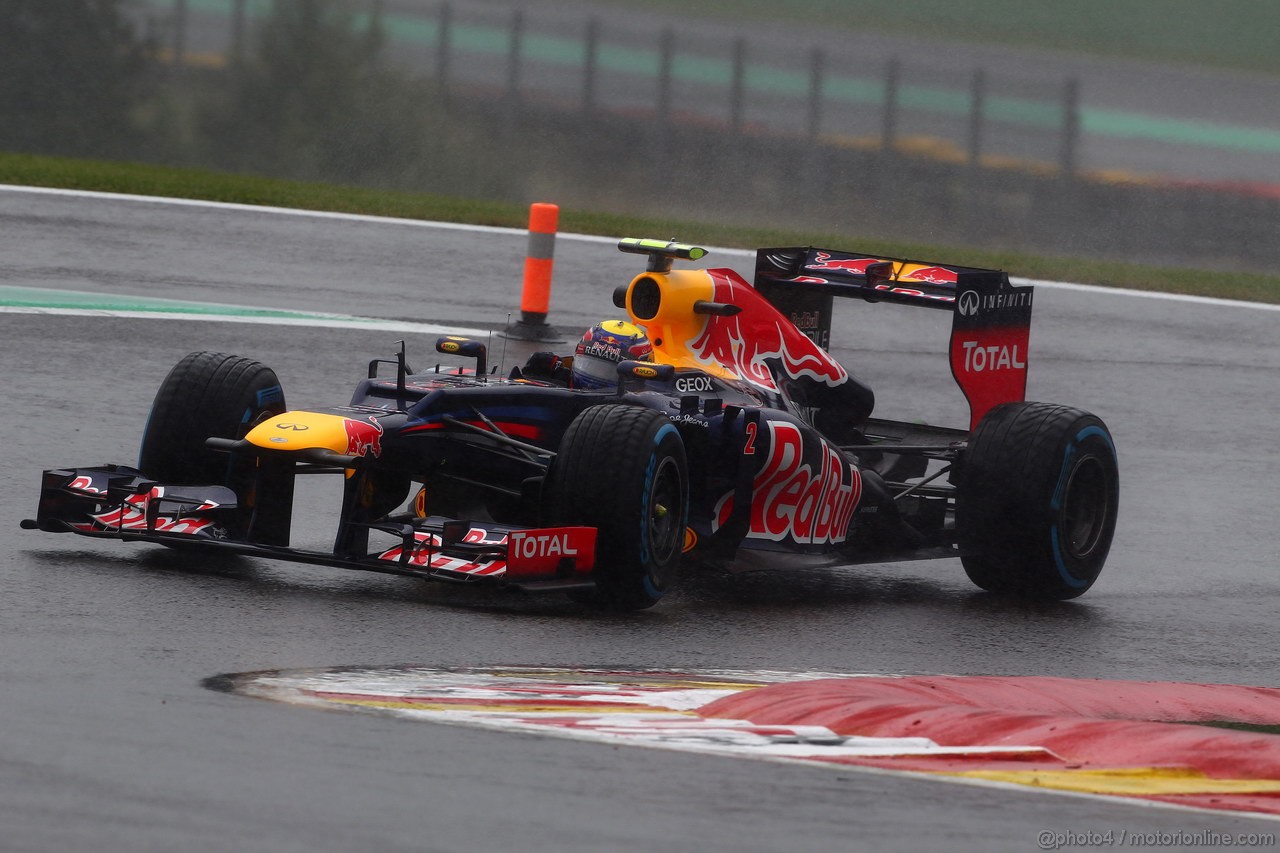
[
  {"x": 1037, "y": 502},
  {"x": 212, "y": 394},
  {"x": 622, "y": 470}
]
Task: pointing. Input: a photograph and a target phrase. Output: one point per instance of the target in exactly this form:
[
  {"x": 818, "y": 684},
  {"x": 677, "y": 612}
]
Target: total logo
[
  {"x": 533, "y": 546},
  {"x": 694, "y": 384},
  {"x": 978, "y": 358},
  {"x": 549, "y": 551}
]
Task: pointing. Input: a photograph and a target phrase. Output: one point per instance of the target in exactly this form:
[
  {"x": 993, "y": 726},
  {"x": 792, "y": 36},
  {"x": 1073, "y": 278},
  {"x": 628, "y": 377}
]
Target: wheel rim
[
  {"x": 666, "y": 509},
  {"x": 1086, "y": 507}
]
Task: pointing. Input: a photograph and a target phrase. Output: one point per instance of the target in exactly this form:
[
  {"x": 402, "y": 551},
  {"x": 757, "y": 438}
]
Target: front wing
[{"x": 117, "y": 502}]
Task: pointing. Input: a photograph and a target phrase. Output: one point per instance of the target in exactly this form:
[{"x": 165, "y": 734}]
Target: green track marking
[
  {"x": 570, "y": 51},
  {"x": 32, "y": 297},
  {"x": 15, "y": 299}
]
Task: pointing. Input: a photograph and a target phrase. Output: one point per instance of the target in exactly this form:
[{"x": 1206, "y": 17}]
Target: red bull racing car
[{"x": 731, "y": 439}]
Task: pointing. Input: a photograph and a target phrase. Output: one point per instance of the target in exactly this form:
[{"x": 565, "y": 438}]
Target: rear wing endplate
[{"x": 991, "y": 318}]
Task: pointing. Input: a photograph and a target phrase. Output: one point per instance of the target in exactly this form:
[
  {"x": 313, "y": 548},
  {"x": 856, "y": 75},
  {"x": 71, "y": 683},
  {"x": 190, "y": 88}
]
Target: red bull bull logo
[
  {"x": 425, "y": 553},
  {"x": 823, "y": 262},
  {"x": 744, "y": 342},
  {"x": 933, "y": 275},
  {"x": 132, "y": 515},
  {"x": 364, "y": 438},
  {"x": 85, "y": 484}
]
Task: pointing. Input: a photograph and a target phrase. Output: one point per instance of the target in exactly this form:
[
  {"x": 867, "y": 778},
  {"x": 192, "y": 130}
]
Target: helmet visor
[{"x": 596, "y": 371}]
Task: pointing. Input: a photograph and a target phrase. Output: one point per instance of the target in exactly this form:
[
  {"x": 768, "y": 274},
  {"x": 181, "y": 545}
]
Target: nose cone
[{"x": 303, "y": 431}]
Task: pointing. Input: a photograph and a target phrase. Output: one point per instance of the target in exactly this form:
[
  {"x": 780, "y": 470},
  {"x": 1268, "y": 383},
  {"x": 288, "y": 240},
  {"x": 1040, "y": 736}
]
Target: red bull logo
[
  {"x": 822, "y": 261},
  {"x": 798, "y": 500},
  {"x": 425, "y": 553},
  {"x": 132, "y": 515},
  {"x": 85, "y": 484},
  {"x": 363, "y": 437},
  {"x": 933, "y": 275},
  {"x": 744, "y": 342}
]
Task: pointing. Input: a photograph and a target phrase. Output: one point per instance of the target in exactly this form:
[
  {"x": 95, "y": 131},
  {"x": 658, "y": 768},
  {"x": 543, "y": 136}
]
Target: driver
[{"x": 595, "y": 361}]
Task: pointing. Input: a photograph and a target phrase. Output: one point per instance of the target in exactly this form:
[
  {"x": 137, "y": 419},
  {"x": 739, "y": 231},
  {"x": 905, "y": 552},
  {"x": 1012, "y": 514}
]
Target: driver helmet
[{"x": 595, "y": 361}]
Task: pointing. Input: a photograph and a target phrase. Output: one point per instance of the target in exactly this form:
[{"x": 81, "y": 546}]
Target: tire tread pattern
[
  {"x": 213, "y": 394},
  {"x": 610, "y": 446},
  {"x": 1012, "y": 466}
]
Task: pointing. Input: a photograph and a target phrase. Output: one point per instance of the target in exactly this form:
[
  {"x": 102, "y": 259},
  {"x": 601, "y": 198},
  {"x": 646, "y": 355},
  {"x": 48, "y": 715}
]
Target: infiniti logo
[
  {"x": 968, "y": 303},
  {"x": 294, "y": 427}
]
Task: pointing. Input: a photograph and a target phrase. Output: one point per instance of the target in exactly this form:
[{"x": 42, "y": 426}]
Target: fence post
[
  {"x": 1070, "y": 128},
  {"x": 977, "y": 110},
  {"x": 179, "y": 34},
  {"x": 737, "y": 84},
  {"x": 817, "y": 64},
  {"x": 666, "y": 54},
  {"x": 237, "y": 33},
  {"x": 815, "y": 157},
  {"x": 513, "y": 56},
  {"x": 444, "y": 36},
  {"x": 889, "y": 131},
  {"x": 590, "y": 48}
]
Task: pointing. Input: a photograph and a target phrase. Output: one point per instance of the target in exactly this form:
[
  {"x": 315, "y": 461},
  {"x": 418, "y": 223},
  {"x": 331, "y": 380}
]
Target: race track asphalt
[{"x": 109, "y": 742}]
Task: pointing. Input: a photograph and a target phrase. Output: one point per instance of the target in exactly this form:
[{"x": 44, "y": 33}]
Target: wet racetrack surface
[{"x": 112, "y": 743}]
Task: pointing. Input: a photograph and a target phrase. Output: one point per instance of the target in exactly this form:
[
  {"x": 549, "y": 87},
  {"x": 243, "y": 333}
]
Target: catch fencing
[{"x": 707, "y": 122}]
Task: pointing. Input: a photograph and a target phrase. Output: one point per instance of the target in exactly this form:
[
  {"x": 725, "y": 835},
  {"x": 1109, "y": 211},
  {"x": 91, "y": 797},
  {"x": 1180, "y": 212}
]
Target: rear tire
[
  {"x": 622, "y": 470},
  {"x": 1037, "y": 501},
  {"x": 212, "y": 394}
]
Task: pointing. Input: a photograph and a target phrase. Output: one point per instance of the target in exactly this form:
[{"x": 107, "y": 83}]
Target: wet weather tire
[
  {"x": 211, "y": 394},
  {"x": 1037, "y": 500},
  {"x": 622, "y": 470}
]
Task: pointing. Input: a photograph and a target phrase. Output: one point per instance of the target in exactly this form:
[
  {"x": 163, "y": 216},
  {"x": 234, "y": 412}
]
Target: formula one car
[{"x": 738, "y": 443}]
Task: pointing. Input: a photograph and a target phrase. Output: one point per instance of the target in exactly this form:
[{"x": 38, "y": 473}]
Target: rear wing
[{"x": 990, "y": 318}]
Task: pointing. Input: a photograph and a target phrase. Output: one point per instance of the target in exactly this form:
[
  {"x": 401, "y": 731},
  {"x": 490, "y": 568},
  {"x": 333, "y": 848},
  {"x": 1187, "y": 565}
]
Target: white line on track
[{"x": 585, "y": 238}]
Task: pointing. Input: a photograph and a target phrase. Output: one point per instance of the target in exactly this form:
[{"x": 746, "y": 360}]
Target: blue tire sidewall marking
[
  {"x": 644, "y": 510},
  {"x": 271, "y": 394},
  {"x": 1059, "y": 495},
  {"x": 264, "y": 398},
  {"x": 1098, "y": 431},
  {"x": 145, "y": 427},
  {"x": 666, "y": 429}
]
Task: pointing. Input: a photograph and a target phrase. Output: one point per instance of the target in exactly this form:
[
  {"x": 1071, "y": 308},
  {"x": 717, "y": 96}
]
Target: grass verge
[{"x": 206, "y": 185}]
